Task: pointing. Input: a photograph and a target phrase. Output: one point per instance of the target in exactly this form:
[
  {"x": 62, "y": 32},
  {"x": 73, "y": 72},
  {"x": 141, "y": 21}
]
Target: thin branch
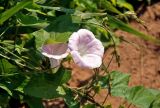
[{"x": 105, "y": 98}]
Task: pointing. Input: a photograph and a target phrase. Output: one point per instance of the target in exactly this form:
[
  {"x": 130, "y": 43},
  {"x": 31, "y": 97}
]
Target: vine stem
[
  {"x": 106, "y": 68},
  {"x": 129, "y": 105},
  {"x": 105, "y": 98},
  {"x": 87, "y": 96}
]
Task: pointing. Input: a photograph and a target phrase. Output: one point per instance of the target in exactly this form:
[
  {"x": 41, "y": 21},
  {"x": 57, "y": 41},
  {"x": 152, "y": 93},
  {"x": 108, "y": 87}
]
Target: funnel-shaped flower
[
  {"x": 86, "y": 50},
  {"x": 55, "y": 52}
]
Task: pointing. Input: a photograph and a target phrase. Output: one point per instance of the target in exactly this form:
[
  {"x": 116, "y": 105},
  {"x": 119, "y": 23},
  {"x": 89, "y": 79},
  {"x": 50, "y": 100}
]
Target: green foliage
[
  {"x": 89, "y": 106},
  {"x": 7, "y": 14},
  {"x": 115, "y": 23},
  {"x": 27, "y": 20},
  {"x": 47, "y": 85},
  {"x": 125, "y": 4},
  {"x": 117, "y": 84},
  {"x": 34, "y": 102},
  {"x": 156, "y": 102},
  {"x": 70, "y": 100}
]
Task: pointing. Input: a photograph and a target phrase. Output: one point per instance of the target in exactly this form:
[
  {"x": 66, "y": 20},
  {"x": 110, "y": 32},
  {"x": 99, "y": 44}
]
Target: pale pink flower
[
  {"x": 55, "y": 53},
  {"x": 86, "y": 50}
]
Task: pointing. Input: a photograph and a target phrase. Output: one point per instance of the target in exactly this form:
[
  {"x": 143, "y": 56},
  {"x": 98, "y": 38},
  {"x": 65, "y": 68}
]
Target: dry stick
[
  {"x": 106, "y": 68},
  {"x": 114, "y": 43},
  {"x": 93, "y": 101},
  {"x": 88, "y": 97},
  {"x": 141, "y": 64},
  {"x": 93, "y": 81},
  {"x": 129, "y": 105},
  {"x": 105, "y": 98},
  {"x": 109, "y": 88}
]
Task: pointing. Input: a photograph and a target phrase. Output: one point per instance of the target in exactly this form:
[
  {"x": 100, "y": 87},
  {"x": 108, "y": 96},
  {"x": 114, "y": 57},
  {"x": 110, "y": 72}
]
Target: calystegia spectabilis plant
[{"x": 39, "y": 37}]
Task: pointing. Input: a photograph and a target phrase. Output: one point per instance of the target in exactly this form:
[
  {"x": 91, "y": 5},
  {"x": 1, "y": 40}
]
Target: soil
[{"x": 139, "y": 58}]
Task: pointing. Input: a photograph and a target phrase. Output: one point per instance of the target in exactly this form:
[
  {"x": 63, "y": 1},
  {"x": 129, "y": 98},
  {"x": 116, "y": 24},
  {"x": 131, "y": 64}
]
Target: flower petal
[
  {"x": 85, "y": 36},
  {"x": 86, "y": 50},
  {"x": 73, "y": 43},
  {"x": 56, "y": 51},
  {"x": 82, "y": 37},
  {"x": 95, "y": 47},
  {"x": 90, "y": 61},
  {"x": 54, "y": 62}
]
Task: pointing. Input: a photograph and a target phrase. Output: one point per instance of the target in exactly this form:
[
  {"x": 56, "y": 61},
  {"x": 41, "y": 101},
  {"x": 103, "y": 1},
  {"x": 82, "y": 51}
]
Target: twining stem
[
  {"x": 105, "y": 98},
  {"x": 106, "y": 68},
  {"x": 94, "y": 81},
  {"x": 9, "y": 74},
  {"x": 87, "y": 96},
  {"x": 129, "y": 105},
  {"x": 16, "y": 57},
  {"x": 11, "y": 53}
]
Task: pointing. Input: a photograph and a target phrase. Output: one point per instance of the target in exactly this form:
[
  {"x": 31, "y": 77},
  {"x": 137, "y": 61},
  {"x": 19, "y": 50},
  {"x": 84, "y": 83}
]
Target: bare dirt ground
[{"x": 141, "y": 59}]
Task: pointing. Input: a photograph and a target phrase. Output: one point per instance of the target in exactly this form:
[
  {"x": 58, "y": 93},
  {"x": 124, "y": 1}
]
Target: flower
[
  {"x": 55, "y": 53},
  {"x": 86, "y": 50}
]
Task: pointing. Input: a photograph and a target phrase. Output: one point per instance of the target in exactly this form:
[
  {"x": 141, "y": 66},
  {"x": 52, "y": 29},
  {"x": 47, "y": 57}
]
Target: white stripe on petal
[{"x": 55, "y": 56}]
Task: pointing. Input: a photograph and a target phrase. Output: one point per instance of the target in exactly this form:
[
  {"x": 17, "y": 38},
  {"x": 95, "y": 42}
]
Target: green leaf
[
  {"x": 114, "y": 2},
  {"x": 10, "y": 76},
  {"x": 154, "y": 91},
  {"x": 14, "y": 81},
  {"x": 116, "y": 23},
  {"x": 61, "y": 91},
  {"x": 6, "y": 67},
  {"x": 86, "y": 5},
  {"x": 104, "y": 81},
  {"x": 116, "y": 82},
  {"x": 156, "y": 102},
  {"x": 90, "y": 106},
  {"x": 70, "y": 100},
  {"x": 118, "y": 78},
  {"x": 43, "y": 37},
  {"x": 33, "y": 102},
  {"x": 123, "y": 3},
  {"x": 40, "y": 87},
  {"x": 108, "y": 6},
  {"x": 21, "y": 30},
  {"x": 27, "y": 20},
  {"x": 119, "y": 83},
  {"x": 108, "y": 106},
  {"x": 4, "y": 99},
  {"x": 140, "y": 96},
  {"x": 7, "y": 14},
  {"x": 65, "y": 75},
  {"x": 34, "y": 58},
  {"x": 40, "y": 37},
  {"x": 121, "y": 106},
  {"x": 61, "y": 9},
  {"x": 6, "y": 89},
  {"x": 59, "y": 30},
  {"x": 62, "y": 27},
  {"x": 137, "y": 95},
  {"x": 47, "y": 85}
]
